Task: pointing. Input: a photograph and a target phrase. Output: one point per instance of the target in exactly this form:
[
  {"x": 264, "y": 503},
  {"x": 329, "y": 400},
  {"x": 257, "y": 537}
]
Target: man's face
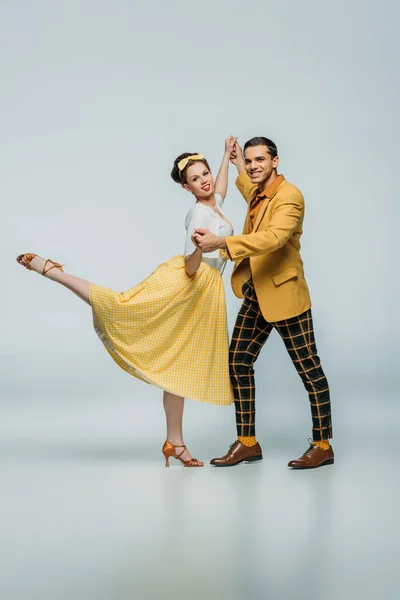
[{"x": 259, "y": 164}]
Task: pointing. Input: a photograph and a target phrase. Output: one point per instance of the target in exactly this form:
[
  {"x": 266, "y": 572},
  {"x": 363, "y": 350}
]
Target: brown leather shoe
[
  {"x": 238, "y": 453},
  {"x": 313, "y": 457}
]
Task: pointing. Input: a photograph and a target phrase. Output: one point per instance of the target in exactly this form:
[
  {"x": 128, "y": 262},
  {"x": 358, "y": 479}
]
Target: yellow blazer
[{"x": 270, "y": 252}]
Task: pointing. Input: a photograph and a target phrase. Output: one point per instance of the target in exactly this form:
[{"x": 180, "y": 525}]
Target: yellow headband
[{"x": 182, "y": 163}]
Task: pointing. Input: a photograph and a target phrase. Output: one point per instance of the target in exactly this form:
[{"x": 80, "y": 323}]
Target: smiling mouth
[
  {"x": 206, "y": 187},
  {"x": 255, "y": 174}
]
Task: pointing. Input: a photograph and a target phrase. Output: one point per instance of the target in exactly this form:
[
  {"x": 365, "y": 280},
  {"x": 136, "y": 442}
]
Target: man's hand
[
  {"x": 208, "y": 242},
  {"x": 236, "y": 157}
]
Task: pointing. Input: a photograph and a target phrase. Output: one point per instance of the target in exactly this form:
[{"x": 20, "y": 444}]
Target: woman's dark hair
[
  {"x": 262, "y": 141},
  {"x": 180, "y": 176}
]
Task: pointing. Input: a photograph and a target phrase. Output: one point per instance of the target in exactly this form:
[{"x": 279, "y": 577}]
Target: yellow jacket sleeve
[
  {"x": 287, "y": 215},
  {"x": 245, "y": 187}
]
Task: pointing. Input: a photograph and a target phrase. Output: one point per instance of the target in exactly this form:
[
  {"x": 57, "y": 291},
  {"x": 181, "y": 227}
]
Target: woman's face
[{"x": 199, "y": 181}]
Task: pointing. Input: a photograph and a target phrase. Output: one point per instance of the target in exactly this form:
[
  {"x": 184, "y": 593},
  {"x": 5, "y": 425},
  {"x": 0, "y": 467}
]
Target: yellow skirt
[{"x": 170, "y": 330}]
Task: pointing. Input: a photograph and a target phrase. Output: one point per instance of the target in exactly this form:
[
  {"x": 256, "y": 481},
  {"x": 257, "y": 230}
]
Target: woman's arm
[
  {"x": 192, "y": 262},
  {"x": 197, "y": 217},
  {"x": 221, "y": 181}
]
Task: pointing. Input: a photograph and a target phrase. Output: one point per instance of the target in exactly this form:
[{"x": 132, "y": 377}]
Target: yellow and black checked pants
[{"x": 250, "y": 334}]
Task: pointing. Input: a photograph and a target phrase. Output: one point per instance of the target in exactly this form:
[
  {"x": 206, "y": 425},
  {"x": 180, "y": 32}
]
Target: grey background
[{"x": 97, "y": 99}]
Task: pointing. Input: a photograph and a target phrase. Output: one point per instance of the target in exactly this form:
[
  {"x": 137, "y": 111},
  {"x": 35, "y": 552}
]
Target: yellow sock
[
  {"x": 323, "y": 444},
  {"x": 248, "y": 441}
]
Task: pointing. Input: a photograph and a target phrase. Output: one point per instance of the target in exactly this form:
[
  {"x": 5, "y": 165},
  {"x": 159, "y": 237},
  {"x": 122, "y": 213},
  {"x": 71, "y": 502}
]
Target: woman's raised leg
[{"x": 80, "y": 287}]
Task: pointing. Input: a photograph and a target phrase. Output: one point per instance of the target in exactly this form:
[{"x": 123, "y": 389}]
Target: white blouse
[{"x": 201, "y": 216}]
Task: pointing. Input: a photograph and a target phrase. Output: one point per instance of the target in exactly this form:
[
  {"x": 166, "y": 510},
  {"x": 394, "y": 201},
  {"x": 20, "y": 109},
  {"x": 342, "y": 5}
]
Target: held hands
[
  {"x": 206, "y": 241},
  {"x": 236, "y": 156},
  {"x": 229, "y": 145}
]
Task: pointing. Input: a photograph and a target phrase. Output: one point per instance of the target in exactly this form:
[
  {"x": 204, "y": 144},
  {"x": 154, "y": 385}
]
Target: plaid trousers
[{"x": 250, "y": 334}]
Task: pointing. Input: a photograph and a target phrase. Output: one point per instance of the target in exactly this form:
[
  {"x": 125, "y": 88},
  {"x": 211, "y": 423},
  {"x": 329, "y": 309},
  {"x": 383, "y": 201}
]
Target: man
[{"x": 269, "y": 275}]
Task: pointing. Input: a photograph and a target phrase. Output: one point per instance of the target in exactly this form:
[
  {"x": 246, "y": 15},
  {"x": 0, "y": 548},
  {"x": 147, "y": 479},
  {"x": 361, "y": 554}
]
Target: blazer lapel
[
  {"x": 246, "y": 226},
  {"x": 264, "y": 207},
  {"x": 261, "y": 213}
]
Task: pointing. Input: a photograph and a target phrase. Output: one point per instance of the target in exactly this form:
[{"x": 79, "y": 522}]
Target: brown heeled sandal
[
  {"x": 169, "y": 451},
  {"x": 26, "y": 259}
]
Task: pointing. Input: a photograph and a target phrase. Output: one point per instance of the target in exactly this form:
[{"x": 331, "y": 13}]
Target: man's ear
[{"x": 275, "y": 162}]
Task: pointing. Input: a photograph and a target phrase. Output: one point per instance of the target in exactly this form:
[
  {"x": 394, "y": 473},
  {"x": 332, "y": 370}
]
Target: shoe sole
[
  {"x": 327, "y": 462},
  {"x": 245, "y": 460}
]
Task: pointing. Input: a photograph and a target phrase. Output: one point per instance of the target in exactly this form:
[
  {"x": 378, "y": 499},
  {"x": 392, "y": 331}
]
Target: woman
[{"x": 170, "y": 330}]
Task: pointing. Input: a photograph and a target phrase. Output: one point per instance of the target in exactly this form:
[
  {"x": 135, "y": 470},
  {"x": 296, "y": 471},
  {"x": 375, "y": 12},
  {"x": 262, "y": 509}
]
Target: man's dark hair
[{"x": 262, "y": 141}]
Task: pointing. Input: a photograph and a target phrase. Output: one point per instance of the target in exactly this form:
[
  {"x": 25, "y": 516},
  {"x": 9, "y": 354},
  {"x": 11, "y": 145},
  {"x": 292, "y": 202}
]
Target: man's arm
[
  {"x": 284, "y": 221},
  {"x": 243, "y": 182},
  {"x": 287, "y": 215},
  {"x": 245, "y": 186}
]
